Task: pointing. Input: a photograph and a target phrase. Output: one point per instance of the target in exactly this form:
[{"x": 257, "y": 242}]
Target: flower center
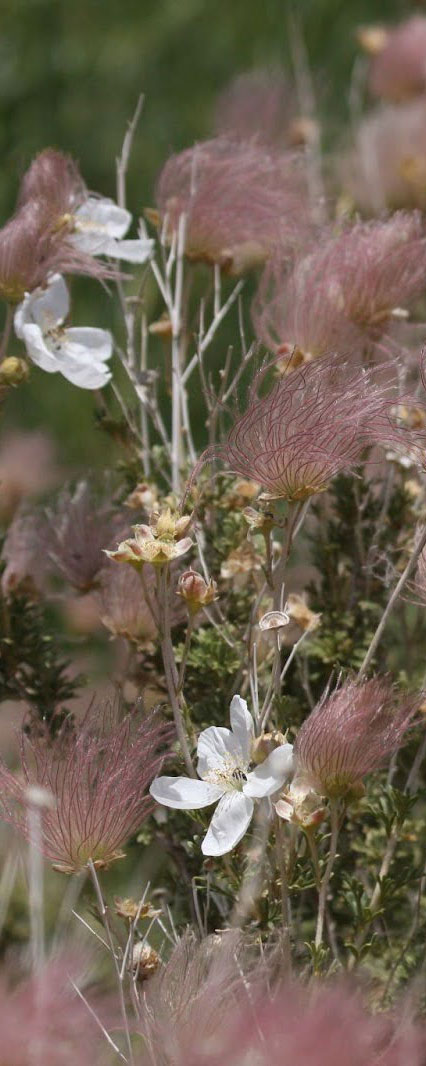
[{"x": 230, "y": 775}]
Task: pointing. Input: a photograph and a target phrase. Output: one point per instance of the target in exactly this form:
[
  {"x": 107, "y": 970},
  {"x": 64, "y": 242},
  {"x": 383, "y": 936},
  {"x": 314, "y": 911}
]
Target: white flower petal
[
  {"x": 184, "y": 793},
  {"x": 86, "y": 375},
  {"x": 46, "y": 308},
  {"x": 132, "y": 251},
  {"x": 230, "y": 821},
  {"x": 100, "y": 216},
  {"x": 88, "y": 343},
  {"x": 242, "y": 726},
  {"x": 271, "y": 774},
  {"x": 38, "y": 350},
  {"x": 216, "y": 745},
  {"x": 284, "y": 810}
]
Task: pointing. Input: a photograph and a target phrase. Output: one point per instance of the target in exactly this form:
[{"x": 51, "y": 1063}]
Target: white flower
[
  {"x": 224, "y": 757},
  {"x": 79, "y": 354},
  {"x": 100, "y": 225}
]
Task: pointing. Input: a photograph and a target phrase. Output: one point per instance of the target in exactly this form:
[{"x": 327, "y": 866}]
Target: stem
[
  {"x": 6, "y": 332},
  {"x": 186, "y": 647},
  {"x": 36, "y": 883},
  {"x": 170, "y": 670},
  {"x": 322, "y": 895},
  {"x": 280, "y": 569},
  {"x": 285, "y": 901},
  {"x": 120, "y": 978},
  {"x": 176, "y": 319},
  {"x": 391, "y": 603}
]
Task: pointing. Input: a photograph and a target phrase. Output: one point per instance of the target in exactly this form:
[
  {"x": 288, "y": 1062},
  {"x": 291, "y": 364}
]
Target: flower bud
[
  {"x": 372, "y": 39},
  {"x": 14, "y": 371},
  {"x": 162, "y": 327},
  {"x": 145, "y": 961},
  {"x": 196, "y": 592},
  {"x": 263, "y": 745},
  {"x": 259, "y": 521},
  {"x": 131, "y": 909},
  {"x": 143, "y": 496}
]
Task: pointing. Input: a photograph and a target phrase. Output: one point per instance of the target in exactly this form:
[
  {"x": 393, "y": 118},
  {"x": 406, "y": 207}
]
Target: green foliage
[{"x": 32, "y": 666}]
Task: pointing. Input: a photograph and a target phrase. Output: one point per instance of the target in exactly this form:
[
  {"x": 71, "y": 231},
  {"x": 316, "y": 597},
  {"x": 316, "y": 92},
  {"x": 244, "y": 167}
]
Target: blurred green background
[{"x": 70, "y": 76}]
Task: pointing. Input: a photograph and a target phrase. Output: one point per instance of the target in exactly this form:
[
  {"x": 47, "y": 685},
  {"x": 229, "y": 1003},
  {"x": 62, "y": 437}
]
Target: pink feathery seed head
[
  {"x": 329, "y": 1026},
  {"x": 386, "y": 167},
  {"x": 350, "y": 733},
  {"x": 314, "y": 423},
  {"x": 256, "y": 105},
  {"x": 299, "y": 308},
  {"x": 27, "y": 469},
  {"x": 44, "y": 1020},
  {"x": 122, "y": 605},
  {"x": 346, "y": 289},
  {"x": 53, "y": 177},
  {"x": 239, "y": 199},
  {"x": 24, "y": 553},
  {"x": 80, "y": 527},
  {"x": 95, "y": 779},
  {"x": 398, "y": 68},
  {"x": 194, "y": 994},
  {"x": 27, "y": 254},
  {"x": 32, "y": 247}
]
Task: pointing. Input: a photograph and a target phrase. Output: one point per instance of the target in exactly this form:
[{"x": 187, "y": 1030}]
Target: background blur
[{"x": 70, "y": 76}]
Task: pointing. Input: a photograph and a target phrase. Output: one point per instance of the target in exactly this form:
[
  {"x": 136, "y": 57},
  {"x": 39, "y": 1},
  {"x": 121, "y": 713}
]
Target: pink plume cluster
[
  {"x": 34, "y": 242},
  {"x": 341, "y": 295},
  {"x": 95, "y": 779},
  {"x": 398, "y": 67},
  {"x": 314, "y": 423},
  {"x": 350, "y": 733},
  {"x": 328, "y": 1028},
  {"x": 44, "y": 1021},
  {"x": 386, "y": 167},
  {"x": 240, "y": 201}
]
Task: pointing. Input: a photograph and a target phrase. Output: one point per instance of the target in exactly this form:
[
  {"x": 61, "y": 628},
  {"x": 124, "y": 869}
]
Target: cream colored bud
[
  {"x": 145, "y": 961},
  {"x": 373, "y": 39},
  {"x": 303, "y": 130},
  {"x": 263, "y": 745},
  {"x": 144, "y": 495},
  {"x": 196, "y": 592},
  {"x": 14, "y": 371},
  {"x": 162, "y": 327}
]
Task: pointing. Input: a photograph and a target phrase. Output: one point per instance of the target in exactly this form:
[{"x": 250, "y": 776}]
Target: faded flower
[
  {"x": 159, "y": 543},
  {"x": 97, "y": 775}
]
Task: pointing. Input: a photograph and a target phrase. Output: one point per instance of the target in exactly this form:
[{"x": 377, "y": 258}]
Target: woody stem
[{"x": 322, "y": 895}]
